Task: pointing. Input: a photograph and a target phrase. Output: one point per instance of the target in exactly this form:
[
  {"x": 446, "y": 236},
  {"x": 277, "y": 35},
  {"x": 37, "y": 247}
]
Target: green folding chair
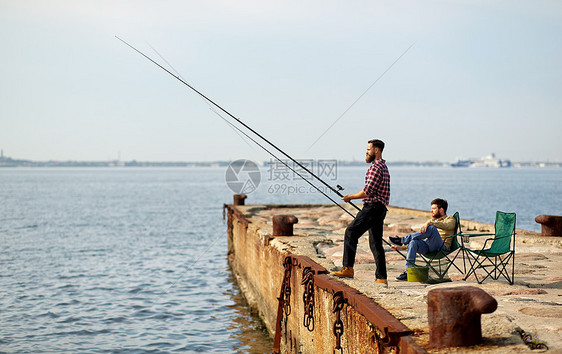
[
  {"x": 497, "y": 253},
  {"x": 441, "y": 261}
]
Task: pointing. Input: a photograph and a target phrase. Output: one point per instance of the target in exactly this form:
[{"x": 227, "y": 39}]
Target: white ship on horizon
[{"x": 486, "y": 161}]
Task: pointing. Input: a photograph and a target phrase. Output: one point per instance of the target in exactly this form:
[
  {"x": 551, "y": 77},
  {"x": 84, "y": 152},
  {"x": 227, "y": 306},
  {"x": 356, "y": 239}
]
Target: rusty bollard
[
  {"x": 551, "y": 225},
  {"x": 239, "y": 199},
  {"x": 454, "y": 315},
  {"x": 283, "y": 225}
]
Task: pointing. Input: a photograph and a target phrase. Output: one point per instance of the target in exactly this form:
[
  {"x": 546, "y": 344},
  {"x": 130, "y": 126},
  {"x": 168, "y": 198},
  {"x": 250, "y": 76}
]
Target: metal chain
[
  {"x": 287, "y": 263},
  {"x": 338, "y": 324},
  {"x": 308, "y": 298}
]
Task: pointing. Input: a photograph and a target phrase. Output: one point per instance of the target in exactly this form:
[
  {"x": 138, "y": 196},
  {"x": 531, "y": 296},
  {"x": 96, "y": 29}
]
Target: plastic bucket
[{"x": 419, "y": 274}]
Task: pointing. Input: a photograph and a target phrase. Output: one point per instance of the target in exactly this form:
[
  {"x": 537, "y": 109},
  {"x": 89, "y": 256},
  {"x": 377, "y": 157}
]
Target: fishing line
[
  {"x": 259, "y": 135},
  {"x": 237, "y": 130},
  {"x": 202, "y": 99},
  {"x": 237, "y": 120},
  {"x": 358, "y": 98},
  {"x": 283, "y": 162}
]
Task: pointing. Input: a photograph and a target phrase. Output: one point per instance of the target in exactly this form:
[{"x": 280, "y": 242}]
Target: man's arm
[
  {"x": 424, "y": 227},
  {"x": 359, "y": 195},
  {"x": 447, "y": 224}
]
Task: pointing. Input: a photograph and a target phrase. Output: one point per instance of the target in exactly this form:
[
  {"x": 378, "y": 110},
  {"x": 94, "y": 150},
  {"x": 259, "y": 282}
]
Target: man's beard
[{"x": 369, "y": 158}]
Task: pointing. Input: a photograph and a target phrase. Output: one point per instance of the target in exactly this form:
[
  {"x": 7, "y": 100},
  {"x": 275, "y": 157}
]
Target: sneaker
[
  {"x": 381, "y": 281},
  {"x": 396, "y": 240},
  {"x": 402, "y": 277},
  {"x": 345, "y": 272}
]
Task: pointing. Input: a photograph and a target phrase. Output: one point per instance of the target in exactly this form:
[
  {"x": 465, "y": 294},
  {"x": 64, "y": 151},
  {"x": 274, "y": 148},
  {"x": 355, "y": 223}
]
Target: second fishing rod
[
  {"x": 337, "y": 191},
  {"x": 258, "y": 135}
]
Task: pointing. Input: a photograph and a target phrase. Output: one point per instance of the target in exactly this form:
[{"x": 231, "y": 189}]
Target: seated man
[{"x": 431, "y": 237}]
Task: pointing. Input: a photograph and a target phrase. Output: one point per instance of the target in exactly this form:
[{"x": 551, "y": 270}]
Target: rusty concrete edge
[
  {"x": 408, "y": 345},
  {"x": 305, "y": 261},
  {"x": 364, "y": 304},
  {"x": 239, "y": 215},
  {"x": 370, "y": 309},
  {"x": 388, "y": 325},
  {"x": 395, "y": 332}
]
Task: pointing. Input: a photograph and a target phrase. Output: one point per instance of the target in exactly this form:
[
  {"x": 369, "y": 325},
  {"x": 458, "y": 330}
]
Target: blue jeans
[{"x": 422, "y": 243}]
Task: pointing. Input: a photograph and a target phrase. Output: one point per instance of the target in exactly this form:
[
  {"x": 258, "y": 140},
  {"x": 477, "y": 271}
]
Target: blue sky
[{"x": 482, "y": 77}]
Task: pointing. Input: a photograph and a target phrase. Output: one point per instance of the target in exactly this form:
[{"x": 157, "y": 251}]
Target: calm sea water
[
  {"x": 134, "y": 260},
  {"x": 118, "y": 260}
]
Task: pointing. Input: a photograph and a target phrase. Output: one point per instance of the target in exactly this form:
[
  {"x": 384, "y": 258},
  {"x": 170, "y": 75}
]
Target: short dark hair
[
  {"x": 441, "y": 203},
  {"x": 377, "y": 143}
]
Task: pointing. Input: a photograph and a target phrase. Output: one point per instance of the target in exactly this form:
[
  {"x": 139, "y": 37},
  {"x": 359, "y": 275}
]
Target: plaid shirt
[{"x": 377, "y": 183}]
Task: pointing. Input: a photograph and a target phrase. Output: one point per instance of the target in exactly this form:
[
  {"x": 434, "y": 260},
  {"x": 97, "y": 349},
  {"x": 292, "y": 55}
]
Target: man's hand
[
  {"x": 424, "y": 227},
  {"x": 349, "y": 197}
]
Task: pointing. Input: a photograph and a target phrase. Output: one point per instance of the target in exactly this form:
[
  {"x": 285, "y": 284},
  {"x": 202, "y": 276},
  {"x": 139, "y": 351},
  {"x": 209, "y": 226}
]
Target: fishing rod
[
  {"x": 239, "y": 131},
  {"x": 337, "y": 191},
  {"x": 257, "y": 134},
  {"x": 235, "y": 128},
  {"x": 304, "y": 179},
  {"x": 283, "y": 162}
]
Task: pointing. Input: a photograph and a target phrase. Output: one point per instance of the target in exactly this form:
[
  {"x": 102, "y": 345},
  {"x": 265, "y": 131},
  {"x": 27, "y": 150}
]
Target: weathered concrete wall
[
  {"x": 530, "y": 305},
  {"x": 261, "y": 263},
  {"x": 258, "y": 268}
]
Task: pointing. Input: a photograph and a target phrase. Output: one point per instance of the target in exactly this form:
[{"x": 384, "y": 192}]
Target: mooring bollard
[
  {"x": 239, "y": 199},
  {"x": 283, "y": 225},
  {"x": 454, "y": 315},
  {"x": 551, "y": 225}
]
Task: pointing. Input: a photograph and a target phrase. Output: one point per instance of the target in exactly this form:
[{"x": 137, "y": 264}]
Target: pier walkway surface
[{"x": 532, "y": 304}]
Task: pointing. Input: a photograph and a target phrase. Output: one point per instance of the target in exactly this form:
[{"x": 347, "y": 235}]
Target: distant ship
[
  {"x": 462, "y": 163},
  {"x": 487, "y": 161}
]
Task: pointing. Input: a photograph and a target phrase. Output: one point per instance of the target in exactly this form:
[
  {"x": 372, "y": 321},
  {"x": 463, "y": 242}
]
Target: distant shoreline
[{"x": 9, "y": 162}]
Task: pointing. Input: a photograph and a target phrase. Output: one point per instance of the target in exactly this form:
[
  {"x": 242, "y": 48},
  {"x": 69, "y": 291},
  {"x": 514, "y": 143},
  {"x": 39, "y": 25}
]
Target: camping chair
[
  {"x": 496, "y": 253},
  {"x": 441, "y": 261},
  {"x": 444, "y": 258}
]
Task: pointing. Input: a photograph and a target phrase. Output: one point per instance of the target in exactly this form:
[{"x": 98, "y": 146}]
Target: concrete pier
[{"x": 286, "y": 281}]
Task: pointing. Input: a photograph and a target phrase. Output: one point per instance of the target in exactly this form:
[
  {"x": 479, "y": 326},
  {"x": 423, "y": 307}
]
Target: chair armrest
[
  {"x": 486, "y": 243},
  {"x": 462, "y": 236},
  {"x": 477, "y": 235},
  {"x": 493, "y": 239},
  {"x": 458, "y": 234}
]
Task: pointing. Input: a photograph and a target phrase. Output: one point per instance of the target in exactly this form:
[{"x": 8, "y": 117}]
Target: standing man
[
  {"x": 375, "y": 195},
  {"x": 434, "y": 235}
]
